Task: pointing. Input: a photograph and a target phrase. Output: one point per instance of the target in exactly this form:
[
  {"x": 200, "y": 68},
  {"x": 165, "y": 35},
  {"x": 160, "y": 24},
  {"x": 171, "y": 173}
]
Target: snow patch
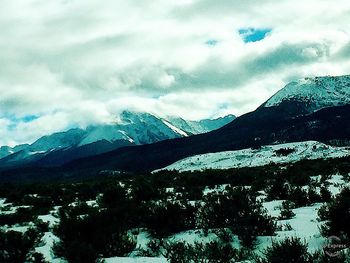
[{"x": 259, "y": 157}]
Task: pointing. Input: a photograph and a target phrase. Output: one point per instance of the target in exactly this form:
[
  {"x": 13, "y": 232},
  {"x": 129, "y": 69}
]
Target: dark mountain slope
[{"x": 261, "y": 127}]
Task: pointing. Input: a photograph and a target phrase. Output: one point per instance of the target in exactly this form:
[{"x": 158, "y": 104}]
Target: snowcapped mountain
[
  {"x": 5, "y": 150},
  {"x": 313, "y": 109},
  {"x": 281, "y": 153},
  {"x": 132, "y": 128},
  {"x": 202, "y": 126},
  {"x": 314, "y": 93}
]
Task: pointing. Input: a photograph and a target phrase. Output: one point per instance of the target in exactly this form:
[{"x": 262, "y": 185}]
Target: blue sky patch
[
  {"x": 26, "y": 118},
  {"x": 251, "y": 34},
  {"x": 211, "y": 42},
  {"x": 29, "y": 118}
]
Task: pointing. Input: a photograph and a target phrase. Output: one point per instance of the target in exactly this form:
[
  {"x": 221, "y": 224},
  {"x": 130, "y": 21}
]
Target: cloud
[{"x": 74, "y": 63}]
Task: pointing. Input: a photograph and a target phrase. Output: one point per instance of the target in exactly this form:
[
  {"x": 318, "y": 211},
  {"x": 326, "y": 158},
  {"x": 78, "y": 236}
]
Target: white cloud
[{"x": 73, "y": 63}]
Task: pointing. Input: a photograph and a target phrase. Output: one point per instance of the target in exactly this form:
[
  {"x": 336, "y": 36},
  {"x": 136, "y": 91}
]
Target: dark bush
[
  {"x": 288, "y": 250},
  {"x": 336, "y": 212},
  {"x": 14, "y": 246},
  {"x": 286, "y": 210}
]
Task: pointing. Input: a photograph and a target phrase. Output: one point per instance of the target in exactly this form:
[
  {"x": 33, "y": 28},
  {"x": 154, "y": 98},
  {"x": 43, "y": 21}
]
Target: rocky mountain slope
[
  {"x": 315, "y": 109},
  {"x": 132, "y": 128},
  {"x": 314, "y": 93},
  {"x": 293, "y": 117}
]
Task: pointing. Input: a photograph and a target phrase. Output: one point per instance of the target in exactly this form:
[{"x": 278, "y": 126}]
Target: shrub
[
  {"x": 337, "y": 215},
  {"x": 326, "y": 195},
  {"x": 298, "y": 196},
  {"x": 14, "y": 246},
  {"x": 215, "y": 251},
  {"x": 238, "y": 210},
  {"x": 83, "y": 239},
  {"x": 169, "y": 218},
  {"x": 284, "y": 151},
  {"x": 288, "y": 250},
  {"x": 286, "y": 211}
]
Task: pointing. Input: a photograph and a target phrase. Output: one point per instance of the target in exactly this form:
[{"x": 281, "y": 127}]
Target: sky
[{"x": 73, "y": 63}]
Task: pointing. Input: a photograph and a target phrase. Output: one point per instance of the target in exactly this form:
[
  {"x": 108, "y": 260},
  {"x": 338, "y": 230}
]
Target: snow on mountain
[
  {"x": 57, "y": 140},
  {"x": 133, "y": 127},
  {"x": 316, "y": 93},
  {"x": 175, "y": 129},
  {"x": 202, "y": 126},
  {"x": 145, "y": 128},
  {"x": 5, "y": 150},
  {"x": 104, "y": 132},
  {"x": 282, "y": 153}
]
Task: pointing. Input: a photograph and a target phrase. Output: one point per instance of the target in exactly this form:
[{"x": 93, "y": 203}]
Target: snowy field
[
  {"x": 305, "y": 224},
  {"x": 308, "y": 150}
]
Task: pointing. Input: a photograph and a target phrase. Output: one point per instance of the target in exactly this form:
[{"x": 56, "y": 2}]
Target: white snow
[
  {"x": 92, "y": 203},
  {"x": 46, "y": 245},
  {"x": 217, "y": 188},
  {"x": 259, "y": 157},
  {"x": 104, "y": 132},
  {"x": 2, "y": 202},
  {"x": 336, "y": 184},
  {"x": 142, "y": 238},
  {"x": 305, "y": 226},
  {"x": 192, "y": 236},
  {"x": 8, "y": 208},
  {"x": 177, "y": 130},
  {"x": 17, "y": 228},
  {"x": 318, "y": 92},
  {"x": 50, "y": 219},
  {"x": 273, "y": 207}
]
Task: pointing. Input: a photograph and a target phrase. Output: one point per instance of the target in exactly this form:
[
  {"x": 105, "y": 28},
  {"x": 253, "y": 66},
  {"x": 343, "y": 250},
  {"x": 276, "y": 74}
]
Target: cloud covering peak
[{"x": 73, "y": 63}]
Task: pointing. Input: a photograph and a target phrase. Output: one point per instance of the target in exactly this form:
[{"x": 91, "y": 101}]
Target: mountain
[
  {"x": 296, "y": 117},
  {"x": 132, "y": 128},
  {"x": 262, "y": 127},
  {"x": 5, "y": 150},
  {"x": 311, "y": 94},
  {"x": 202, "y": 126}
]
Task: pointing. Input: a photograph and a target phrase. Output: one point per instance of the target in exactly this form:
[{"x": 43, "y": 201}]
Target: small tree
[
  {"x": 286, "y": 210},
  {"x": 288, "y": 250}
]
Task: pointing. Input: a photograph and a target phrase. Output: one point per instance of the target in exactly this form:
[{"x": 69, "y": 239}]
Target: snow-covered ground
[
  {"x": 50, "y": 219},
  {"x": 259, "y": 157},
  {"x": 45, "y": 247},
  {"x": 304, "y": 225}
]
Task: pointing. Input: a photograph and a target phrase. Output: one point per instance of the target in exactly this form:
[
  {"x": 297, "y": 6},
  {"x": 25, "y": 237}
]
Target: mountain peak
[
  {"x": 133, "y": 128},
  {"x": 316, "y": 93}
]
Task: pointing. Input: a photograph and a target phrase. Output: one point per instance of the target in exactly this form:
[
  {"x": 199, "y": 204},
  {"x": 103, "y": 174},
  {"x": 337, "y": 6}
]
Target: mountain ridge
[
  {"x": 315, "y": 93},
  {"x": 134, "y": 128},
  {"x": 292, "y": 119}
]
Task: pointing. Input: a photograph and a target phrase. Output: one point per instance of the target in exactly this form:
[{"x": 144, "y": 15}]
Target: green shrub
[{"x": 288, "y": 250}]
